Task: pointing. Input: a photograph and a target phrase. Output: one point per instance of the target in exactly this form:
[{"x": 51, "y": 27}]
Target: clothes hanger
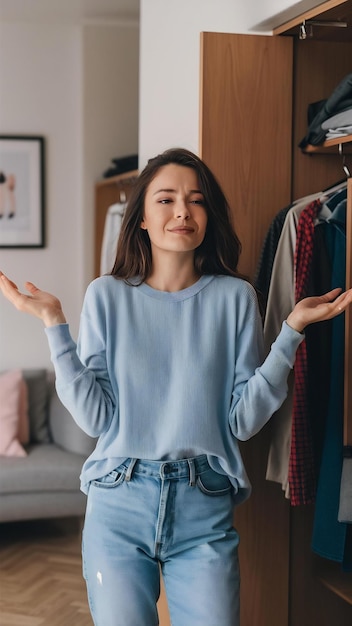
[
  {"x": 344, "y": 165},
  {"x": 336, "y": 186},
  {"x": 124, "y": 185}
]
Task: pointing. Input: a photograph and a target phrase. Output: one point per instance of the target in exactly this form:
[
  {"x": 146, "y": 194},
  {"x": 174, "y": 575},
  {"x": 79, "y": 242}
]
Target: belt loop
[
  {"x": 192, "y": 472},
  {"x": 130, "y": 468}
]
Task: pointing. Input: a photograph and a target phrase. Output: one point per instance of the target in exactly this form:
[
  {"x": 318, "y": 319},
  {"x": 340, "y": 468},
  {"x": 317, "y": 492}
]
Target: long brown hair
[{"x": 220, "y": 250}]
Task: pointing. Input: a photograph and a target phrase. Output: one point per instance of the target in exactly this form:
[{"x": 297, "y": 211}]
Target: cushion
[
  {"x": 23, "y": 421},
  {"x": 37, "y": 385},
  {"x": 12, "y": 414},
  {"x": 65, "y": 431}
]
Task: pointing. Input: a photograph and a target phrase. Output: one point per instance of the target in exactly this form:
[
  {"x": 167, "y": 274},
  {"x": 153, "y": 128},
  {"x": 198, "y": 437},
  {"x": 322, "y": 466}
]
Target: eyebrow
[{"x": 174, "y": 191}]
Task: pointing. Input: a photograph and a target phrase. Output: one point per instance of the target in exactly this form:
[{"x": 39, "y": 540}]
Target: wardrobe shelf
[
  {"x": 334, "y": 578},
  {"x": 331, "y": 146},
  {"x": 119, "y": 178}
]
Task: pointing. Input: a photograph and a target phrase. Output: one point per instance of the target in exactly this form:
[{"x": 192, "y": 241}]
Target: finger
[
  {"x": 7, "y": 285},
  {"x": 332, "y": 295},
  {"x": 344, "y": 300},
  {"x": 31, "y": 287},
  {"x": 7, "y": 282},
  {"x": 11, "y": 292}
]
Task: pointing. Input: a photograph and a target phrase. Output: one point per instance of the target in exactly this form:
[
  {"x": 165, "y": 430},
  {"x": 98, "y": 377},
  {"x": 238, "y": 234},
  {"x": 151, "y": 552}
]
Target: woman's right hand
[{"x": 39, "y": 303}]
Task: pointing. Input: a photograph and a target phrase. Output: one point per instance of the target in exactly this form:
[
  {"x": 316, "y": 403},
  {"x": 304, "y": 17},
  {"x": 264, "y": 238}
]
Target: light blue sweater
[{"x": 158, "y": 375}]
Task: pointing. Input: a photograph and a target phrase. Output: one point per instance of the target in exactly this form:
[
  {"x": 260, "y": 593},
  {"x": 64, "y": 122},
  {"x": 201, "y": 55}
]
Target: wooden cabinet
[{"x": 255, "y": 91}]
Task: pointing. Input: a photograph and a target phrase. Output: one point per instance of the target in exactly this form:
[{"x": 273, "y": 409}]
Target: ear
[{"x": 143, "y": 225}]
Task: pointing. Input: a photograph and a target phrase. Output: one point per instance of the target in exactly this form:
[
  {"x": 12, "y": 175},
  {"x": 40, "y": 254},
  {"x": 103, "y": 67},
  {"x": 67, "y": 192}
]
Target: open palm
[
  {"x": 38, "y": 303},
  {"x": 319, "y": 308}
]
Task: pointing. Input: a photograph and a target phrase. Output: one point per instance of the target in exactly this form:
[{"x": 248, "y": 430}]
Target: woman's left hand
[{"x": 319, "y": 308}]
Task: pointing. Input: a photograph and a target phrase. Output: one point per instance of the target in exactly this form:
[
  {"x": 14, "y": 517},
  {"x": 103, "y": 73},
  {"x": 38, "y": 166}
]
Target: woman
[{"x": 168, "y": 372}]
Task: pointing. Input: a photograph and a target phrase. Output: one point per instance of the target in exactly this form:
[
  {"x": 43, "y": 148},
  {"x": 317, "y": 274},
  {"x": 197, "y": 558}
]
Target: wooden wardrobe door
[
  {"x": 245, "y": 138},
  {"x": 245, "y": 128}
]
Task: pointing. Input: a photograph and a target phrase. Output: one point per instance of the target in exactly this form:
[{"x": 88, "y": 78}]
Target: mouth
[{"x": 182, "y": 230}]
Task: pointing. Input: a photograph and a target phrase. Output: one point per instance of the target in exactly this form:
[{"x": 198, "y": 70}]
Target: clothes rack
[{"x": 108, "y": 192}]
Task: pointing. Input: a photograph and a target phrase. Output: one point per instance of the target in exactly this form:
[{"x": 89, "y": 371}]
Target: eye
[
  {"x": 199, "y": 201},
  {"x": 164, "y": 200}
]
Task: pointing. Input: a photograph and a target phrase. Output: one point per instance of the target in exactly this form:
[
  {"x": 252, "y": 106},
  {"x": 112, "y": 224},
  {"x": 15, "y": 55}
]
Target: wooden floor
[{"x": 41, "y": 580}]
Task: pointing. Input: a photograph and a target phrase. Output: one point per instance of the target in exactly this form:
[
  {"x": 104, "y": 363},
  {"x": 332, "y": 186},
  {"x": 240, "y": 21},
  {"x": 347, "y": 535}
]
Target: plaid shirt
[{"x": 301, "y": 472}]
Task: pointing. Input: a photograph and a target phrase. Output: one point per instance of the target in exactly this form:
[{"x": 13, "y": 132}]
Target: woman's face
[{"x": 174, "y": 210}]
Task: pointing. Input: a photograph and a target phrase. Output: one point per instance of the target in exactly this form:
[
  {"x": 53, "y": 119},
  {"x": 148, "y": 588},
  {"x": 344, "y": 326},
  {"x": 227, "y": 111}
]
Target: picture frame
[{"x": 22, "y": 191}]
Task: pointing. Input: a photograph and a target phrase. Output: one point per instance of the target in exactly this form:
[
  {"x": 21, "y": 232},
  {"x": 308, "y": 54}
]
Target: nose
[{"x": 182, "y": 211}]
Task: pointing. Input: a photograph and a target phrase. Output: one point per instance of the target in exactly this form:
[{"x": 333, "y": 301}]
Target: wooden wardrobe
[{"x": 255, "y": 91}]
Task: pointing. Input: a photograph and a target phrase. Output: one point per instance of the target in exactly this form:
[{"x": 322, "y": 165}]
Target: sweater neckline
[{"x": 177, "y": 296}]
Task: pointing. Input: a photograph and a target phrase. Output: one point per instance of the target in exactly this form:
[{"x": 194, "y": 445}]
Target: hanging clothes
[
  {"x": 111, "y": 233},
  {"x": 301, "y": 474},
  {"x": 330, "y": 537},
  {"x": 319, "y": 336},
  {"x": 321, "y": 397},
  {"x": 318, "y": 342},
  {"x": 280, "y": 302},
  {"x": 267, "y": 256}
]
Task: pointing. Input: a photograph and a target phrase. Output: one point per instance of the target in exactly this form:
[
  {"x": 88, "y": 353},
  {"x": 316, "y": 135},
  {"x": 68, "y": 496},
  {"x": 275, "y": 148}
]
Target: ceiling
[{"x": 34, "y": 10}]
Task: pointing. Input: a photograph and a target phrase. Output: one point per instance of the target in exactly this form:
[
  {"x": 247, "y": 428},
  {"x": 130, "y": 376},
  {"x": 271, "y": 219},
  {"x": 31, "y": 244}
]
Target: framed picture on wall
[{"x": 21, "y": 191}]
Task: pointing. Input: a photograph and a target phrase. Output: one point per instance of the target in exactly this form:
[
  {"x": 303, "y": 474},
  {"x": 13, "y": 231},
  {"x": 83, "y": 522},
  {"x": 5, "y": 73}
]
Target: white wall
[
  {"x": 169, "y": 65},
  {"x": 69, "y": 83},
  {"x": 271, "y": 13},
  {"x": 40, "y": 96},
  {"x": 110, "y": 120}
]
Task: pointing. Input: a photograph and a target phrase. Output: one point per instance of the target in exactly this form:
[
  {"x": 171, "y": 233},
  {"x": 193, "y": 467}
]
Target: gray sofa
[{"x": 45, "y": 483}]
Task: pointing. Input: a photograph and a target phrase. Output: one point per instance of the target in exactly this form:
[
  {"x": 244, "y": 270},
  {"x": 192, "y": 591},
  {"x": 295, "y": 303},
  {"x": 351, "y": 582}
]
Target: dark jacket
[{"x": 340, "y": 100}]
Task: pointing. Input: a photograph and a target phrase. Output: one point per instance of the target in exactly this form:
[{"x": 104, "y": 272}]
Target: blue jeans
[{"x": 174, "y": 515}]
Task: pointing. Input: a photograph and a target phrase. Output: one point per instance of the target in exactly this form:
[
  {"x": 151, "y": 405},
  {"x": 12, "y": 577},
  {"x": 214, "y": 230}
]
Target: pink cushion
[
  {"x": 23, "y": 419},
  {"x": 13, "y": 414}
]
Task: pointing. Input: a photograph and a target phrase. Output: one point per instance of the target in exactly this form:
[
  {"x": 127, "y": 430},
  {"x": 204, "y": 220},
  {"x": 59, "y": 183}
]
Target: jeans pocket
[
  {"x": 111, "y": 480},
  {"x": 213, "y": 484}
]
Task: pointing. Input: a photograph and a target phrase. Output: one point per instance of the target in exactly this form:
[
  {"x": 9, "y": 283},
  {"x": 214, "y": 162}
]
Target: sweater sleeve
[
  {"x": 259, "y": 391},
  {"x": 82, "y": 380}
]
